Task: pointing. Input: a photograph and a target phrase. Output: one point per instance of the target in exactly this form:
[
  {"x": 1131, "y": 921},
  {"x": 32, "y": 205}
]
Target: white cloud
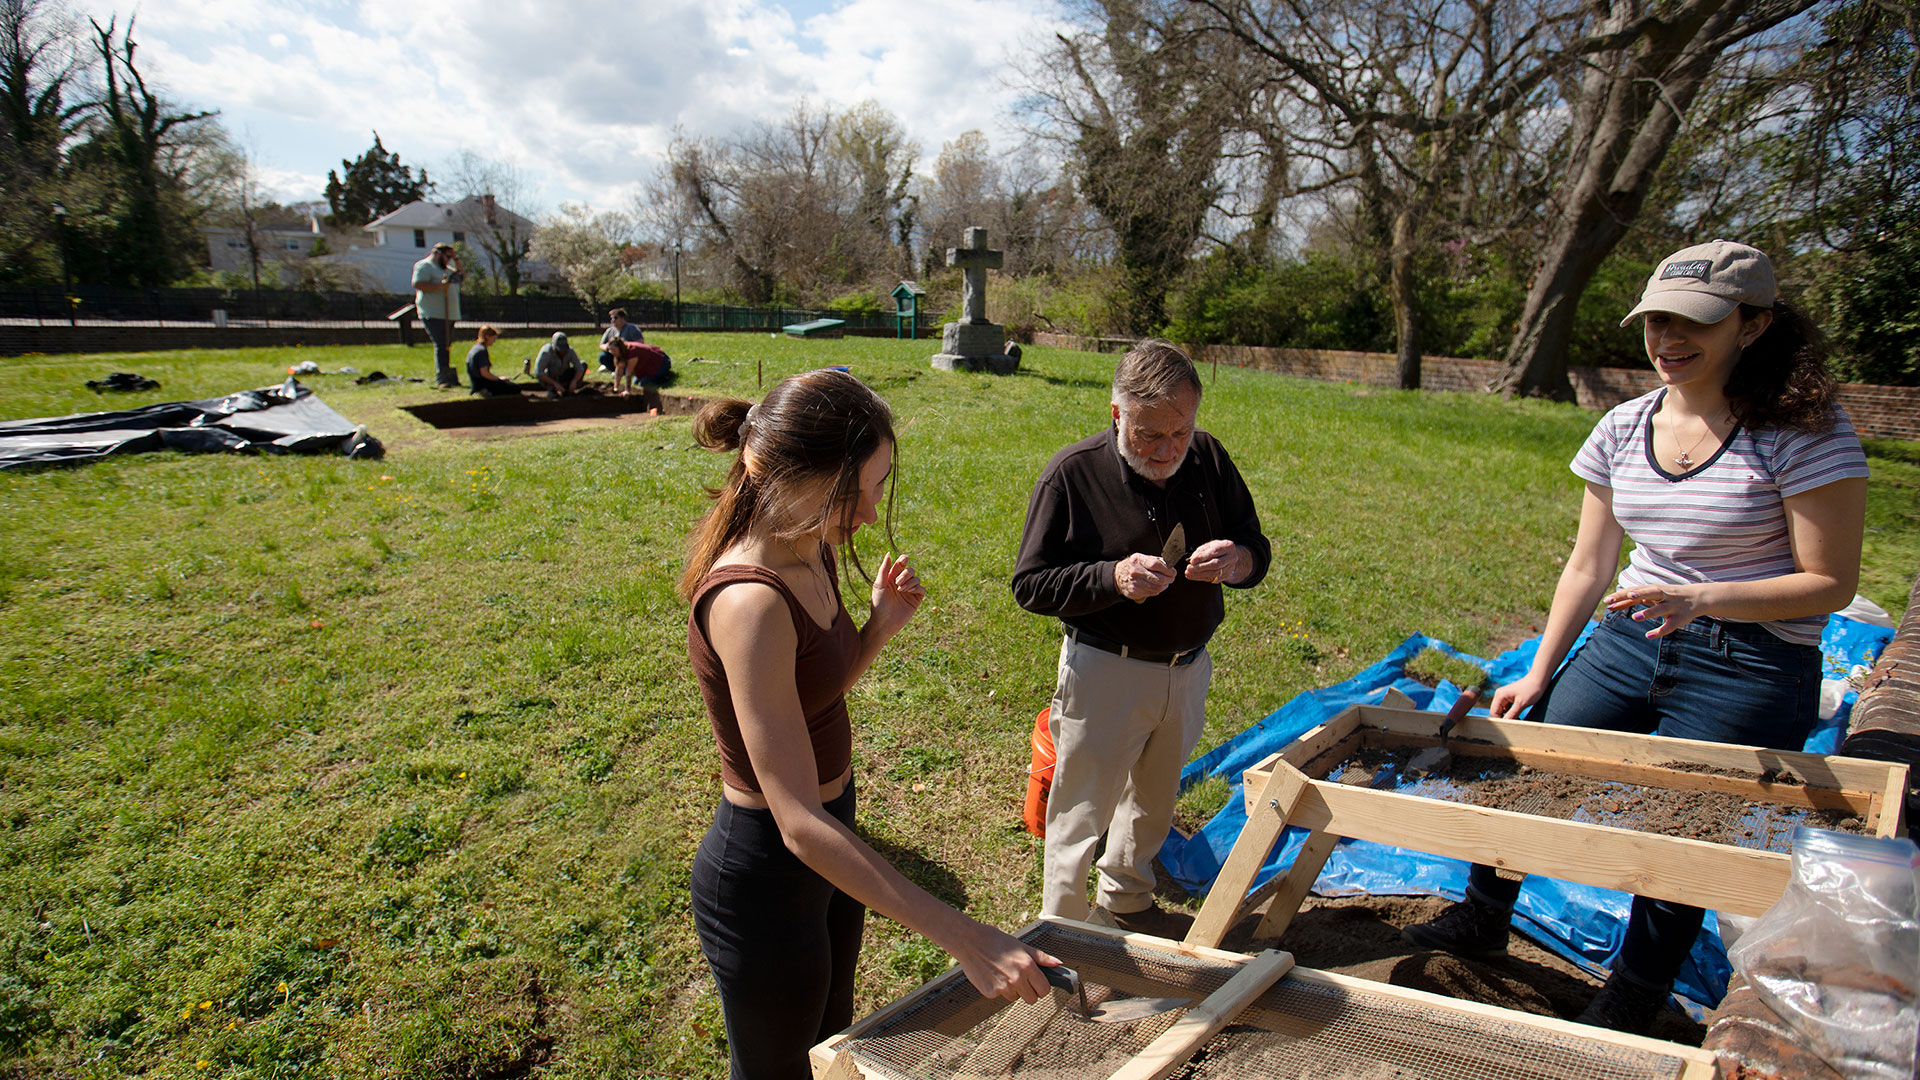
[
  {"x": 290, "y": 185},
  {"x": 584, "y": 95}
]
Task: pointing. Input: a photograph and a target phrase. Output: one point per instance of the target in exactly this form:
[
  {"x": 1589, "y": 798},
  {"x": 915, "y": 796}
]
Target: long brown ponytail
[{"x": 818, "y": 426}]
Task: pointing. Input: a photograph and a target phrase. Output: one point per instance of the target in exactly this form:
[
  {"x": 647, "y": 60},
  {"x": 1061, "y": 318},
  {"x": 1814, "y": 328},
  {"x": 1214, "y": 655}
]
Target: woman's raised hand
[{"x": 897, "y": 593}]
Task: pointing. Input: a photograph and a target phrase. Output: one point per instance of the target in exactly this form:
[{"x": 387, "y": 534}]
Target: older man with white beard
[{"x": 1130, "y": 535}]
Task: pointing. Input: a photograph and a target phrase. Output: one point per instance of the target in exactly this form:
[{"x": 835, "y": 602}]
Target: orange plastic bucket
[{"x": 1039, "y": 776}]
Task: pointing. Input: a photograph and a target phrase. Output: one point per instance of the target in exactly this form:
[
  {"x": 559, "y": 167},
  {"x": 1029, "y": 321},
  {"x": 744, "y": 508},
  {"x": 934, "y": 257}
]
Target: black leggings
[{"x": 782, "y": 941}]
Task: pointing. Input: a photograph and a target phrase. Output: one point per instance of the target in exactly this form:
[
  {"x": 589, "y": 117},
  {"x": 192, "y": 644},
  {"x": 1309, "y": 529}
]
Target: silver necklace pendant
[{"x": 1683, "y": 461}]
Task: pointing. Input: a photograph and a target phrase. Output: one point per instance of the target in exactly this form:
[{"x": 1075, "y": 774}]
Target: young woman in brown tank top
[{"x": 781, "y": 883}]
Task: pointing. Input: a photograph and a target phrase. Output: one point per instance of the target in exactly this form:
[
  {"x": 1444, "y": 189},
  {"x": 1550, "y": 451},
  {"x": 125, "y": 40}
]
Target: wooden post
[
  {"x": 1295, "y": 884},
  {"x": 1265, "y": 821}
]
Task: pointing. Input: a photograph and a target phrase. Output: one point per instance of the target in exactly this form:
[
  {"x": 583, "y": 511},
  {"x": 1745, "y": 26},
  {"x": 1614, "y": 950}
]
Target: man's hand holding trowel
[{"x": 1216, "y": 561}]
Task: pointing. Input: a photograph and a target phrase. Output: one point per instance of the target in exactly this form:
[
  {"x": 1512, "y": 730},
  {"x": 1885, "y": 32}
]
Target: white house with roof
[
  {"x": 397, "y": 240},
  {"x": 279, "y": 245}
]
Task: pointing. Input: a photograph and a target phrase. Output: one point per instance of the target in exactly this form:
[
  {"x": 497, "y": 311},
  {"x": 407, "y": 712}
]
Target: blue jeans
[
  {"x": 1711, "y": 680},
  {"x": 439, "y": 332}
]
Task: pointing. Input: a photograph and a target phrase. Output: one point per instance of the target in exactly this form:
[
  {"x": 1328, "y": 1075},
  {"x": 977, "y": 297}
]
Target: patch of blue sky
[{"x": 802, "y": 11}]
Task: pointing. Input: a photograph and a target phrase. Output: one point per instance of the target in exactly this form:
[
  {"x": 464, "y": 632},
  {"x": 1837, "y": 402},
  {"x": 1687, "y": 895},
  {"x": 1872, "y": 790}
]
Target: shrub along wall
[{"x": 1881, "y": 411}]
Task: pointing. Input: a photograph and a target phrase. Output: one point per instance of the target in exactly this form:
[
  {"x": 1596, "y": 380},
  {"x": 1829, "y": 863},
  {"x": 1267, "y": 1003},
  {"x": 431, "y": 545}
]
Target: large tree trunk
[
  {"x": 1406, "y": 317},
  {"x": 1630, "y": 107}
]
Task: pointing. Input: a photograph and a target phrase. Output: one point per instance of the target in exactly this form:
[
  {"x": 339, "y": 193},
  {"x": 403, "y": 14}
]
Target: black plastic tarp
[{"x": 284, "y": 419}]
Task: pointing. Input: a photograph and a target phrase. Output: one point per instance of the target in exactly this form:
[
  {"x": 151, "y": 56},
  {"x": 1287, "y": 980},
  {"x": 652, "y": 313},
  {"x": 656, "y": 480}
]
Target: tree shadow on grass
[
  {"x": 1056, "y": 380},
  {"x": 943, "y": 883},
  {"x": 889, "y": 380}
]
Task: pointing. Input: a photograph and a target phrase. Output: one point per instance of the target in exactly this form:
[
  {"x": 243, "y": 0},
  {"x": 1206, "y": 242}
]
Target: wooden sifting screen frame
[{"x": 1284, "y": 789}]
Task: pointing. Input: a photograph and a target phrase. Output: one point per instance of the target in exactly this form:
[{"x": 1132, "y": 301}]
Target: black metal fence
[{"x": 269, "y": 307}]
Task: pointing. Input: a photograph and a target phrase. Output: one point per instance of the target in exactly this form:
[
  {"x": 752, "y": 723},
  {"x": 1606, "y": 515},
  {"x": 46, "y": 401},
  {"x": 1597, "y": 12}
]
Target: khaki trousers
[{"x": 1121, "y": 730}]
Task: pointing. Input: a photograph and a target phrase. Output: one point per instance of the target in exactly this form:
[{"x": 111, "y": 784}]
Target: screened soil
[{"x": 1718, "y": 817}]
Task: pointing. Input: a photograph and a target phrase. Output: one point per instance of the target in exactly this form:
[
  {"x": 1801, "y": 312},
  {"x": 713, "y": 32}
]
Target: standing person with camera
[{"x": 436, "y": 297}]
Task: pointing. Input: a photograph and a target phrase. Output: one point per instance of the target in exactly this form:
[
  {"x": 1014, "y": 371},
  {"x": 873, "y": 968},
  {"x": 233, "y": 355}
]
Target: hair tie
[{"x": 740, "y": 434}]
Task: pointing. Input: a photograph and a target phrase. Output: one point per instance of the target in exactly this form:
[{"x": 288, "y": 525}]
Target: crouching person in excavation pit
[
  {"x": 559, "y": 368},
  {"x": 638, "y": 366}
]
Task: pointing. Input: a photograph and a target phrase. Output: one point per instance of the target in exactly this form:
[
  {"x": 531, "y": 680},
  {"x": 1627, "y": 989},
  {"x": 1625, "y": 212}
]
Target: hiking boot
[
  {"x": 1154, "y": 920},
  {"x": 1468, "y": 928},
  {"x": 1624, "y": 1004}
]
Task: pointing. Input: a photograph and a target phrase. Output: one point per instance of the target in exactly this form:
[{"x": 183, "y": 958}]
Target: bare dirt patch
[
  {"x": 1360, "y": 936},
  {"x": 555, "y": 427},
  {"x": 540, "y": 413}
]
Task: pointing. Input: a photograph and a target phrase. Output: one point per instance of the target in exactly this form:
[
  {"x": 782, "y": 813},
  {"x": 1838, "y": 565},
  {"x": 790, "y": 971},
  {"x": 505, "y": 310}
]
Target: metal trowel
[
  {"x": 1176, "y": 546},
  {"x": 1112, "y": 1010},
  {"x": 1437, "y": 758}
]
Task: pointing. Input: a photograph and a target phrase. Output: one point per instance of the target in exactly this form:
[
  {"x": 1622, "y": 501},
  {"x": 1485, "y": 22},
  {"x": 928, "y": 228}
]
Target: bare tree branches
[
  {"x": 505, "y": 239},
  {"x": 1147, "y": 112}
]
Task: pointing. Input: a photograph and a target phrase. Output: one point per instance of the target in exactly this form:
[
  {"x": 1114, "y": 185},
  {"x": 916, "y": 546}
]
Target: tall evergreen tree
[{"x": 374, "y": 183}]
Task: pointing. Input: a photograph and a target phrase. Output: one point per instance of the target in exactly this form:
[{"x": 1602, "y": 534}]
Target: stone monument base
[
  {"x": 996, "y": 364},
  {"x": 975, "y": 347}
]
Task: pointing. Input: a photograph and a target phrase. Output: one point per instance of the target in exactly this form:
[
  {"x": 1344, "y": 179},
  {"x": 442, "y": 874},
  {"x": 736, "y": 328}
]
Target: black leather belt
[{"x": 1127, "y": 652}]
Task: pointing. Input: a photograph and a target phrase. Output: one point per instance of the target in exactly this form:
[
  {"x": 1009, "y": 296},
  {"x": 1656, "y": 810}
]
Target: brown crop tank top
[{"x": 820, "y": 667}]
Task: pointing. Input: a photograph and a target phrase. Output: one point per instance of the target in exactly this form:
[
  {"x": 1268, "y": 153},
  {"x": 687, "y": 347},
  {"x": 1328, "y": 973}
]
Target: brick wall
[
  {"x": 1891, "y": 412},
  {"x": 1882, "y": 411}
]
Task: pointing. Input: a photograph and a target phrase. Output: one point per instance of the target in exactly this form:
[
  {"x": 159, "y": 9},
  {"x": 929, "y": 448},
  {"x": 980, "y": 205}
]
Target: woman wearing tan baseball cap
[{"x": 1744, "y": 489}]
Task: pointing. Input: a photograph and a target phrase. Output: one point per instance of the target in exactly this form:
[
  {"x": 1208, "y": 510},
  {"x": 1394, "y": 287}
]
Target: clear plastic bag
[{"x": 1838, "y": 956}]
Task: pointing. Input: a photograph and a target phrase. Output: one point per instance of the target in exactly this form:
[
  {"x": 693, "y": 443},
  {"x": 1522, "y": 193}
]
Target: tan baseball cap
[{"x": 1706, "y": 282}]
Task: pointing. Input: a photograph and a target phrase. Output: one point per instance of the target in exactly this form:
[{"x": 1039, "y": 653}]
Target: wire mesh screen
[
  {"x": 952, "y": 1033},
  {"x": 1308, "y": 1030},
  {"x": 1717, "y": 817},
  {"x": 1302, "y": 1029}
]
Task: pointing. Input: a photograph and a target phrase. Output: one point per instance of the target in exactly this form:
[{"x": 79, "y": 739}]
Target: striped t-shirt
[{"x": 1723, "y": 520}]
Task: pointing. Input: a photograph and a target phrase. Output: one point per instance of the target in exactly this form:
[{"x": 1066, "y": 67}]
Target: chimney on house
[{"x": 488, "y": 210}]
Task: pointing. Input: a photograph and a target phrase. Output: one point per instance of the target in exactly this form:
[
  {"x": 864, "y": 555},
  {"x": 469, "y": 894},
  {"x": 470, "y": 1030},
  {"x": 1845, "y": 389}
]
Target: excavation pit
[{"x": 540, "y": 414}]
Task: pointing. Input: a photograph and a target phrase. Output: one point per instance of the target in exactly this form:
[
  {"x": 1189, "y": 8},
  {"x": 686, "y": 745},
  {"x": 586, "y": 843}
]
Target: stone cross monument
[{"x": 973, "y": 343}]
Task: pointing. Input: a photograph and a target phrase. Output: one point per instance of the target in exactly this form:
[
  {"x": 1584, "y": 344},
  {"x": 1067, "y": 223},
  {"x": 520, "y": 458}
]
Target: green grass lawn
[{"x": 320, "y": 768}]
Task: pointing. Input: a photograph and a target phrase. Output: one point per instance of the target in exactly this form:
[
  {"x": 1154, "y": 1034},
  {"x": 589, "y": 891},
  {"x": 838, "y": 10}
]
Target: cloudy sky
[{"x": 583, "y": 95}]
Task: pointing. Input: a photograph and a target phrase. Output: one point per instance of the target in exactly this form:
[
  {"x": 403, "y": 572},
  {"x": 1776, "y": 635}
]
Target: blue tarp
[{"x": 1582, "y": 923}]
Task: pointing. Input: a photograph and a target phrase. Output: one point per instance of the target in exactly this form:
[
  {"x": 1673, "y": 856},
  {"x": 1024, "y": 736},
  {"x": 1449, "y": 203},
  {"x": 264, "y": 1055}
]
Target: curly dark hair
[{"x": 1781, "y": 380}]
